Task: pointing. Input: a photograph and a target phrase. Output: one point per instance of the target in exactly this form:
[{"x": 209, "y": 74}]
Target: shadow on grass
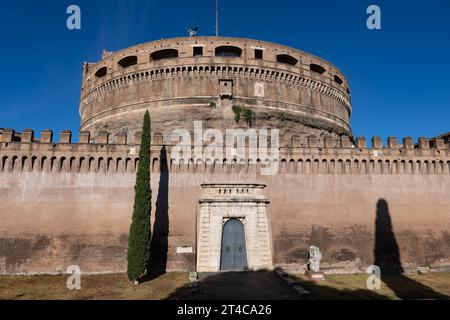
[
  {"x": 322, "y": 292},
  {"x": 402, "y": 287},
  {"x": 407, "y": 288},
  {"x": 267, "y": 285},
  {"x": 258, "y": 285}
]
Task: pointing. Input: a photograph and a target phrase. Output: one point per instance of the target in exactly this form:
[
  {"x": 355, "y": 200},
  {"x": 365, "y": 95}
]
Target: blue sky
[{"x": 399, "y": 76}]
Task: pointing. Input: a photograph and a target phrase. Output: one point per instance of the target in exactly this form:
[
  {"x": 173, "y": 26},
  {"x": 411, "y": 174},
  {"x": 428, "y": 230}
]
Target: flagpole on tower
[{"x": 217, "y": 18}]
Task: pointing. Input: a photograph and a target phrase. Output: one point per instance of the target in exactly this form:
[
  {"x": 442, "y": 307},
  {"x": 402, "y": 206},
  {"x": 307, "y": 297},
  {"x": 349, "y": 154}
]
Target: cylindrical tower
[{"x": 186, "y": 79}]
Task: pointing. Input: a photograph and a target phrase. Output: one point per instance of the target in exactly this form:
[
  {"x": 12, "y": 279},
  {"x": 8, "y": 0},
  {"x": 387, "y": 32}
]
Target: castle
[{"x": 69, "y": 203}]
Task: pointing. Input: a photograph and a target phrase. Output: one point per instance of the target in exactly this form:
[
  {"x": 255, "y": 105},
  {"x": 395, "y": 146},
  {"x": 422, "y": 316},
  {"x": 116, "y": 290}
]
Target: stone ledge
[{"x": 294, "y": 284}]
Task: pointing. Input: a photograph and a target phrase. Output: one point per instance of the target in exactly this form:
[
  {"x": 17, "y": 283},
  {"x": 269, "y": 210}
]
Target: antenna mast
[{"x": 217, "y": 18}]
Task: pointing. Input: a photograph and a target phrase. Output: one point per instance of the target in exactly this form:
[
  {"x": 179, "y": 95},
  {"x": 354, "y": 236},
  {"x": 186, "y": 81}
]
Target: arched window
[
  {"x": 128, "y": 61},
  {"x": 164, "y": 54},
  {"x": 338, "y": 79},
  {"x": 317, "y": 68},
  {"x": 101, "y": 72},
  {"x": 287, "y": 59},
  {"x": 228, "y": 51}
]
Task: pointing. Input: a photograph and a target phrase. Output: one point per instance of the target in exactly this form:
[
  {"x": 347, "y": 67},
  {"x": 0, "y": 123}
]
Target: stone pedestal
[{"x": 315, "y": 275}]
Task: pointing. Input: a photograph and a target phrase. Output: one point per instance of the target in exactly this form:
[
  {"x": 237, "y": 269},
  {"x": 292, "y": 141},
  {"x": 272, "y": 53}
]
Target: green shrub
[
  {"x": 140, "y": 229},
  {"x": 249, "y": 115},
  {"x": 237, "y": 113}
]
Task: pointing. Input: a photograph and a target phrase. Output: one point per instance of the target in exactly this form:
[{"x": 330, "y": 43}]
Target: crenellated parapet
[
  {"x": 65, "y": 137},
  {"x": 111, "y": 154},
  {"x": 187, "y": 79},
  {"x": 194, "y": 71}
]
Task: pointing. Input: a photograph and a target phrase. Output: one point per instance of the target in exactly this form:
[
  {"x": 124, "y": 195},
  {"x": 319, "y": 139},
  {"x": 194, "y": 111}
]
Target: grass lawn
[
  {"x": 117, "y": 287},
  {"x": 101, "y": 287},
  {"x": 348, "y": 287}
]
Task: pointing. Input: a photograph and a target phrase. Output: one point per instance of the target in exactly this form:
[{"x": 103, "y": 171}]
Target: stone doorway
[
  {"x": 234, "y": 251},
  {"x": 245, "y": 204}
]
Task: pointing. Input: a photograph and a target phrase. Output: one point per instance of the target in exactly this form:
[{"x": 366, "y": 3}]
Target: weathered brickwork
[{"x": 70, "y": 203}]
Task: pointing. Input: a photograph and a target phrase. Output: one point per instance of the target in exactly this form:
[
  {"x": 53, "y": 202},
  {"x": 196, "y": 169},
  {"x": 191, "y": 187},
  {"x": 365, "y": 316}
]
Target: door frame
[{"x": 245, "y": 202}]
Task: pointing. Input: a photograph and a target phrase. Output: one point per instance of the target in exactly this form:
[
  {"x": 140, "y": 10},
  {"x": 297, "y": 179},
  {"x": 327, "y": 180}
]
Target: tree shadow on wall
[
  {"x": 159, "y": 246},
  {"x": 387, "y": 257}
]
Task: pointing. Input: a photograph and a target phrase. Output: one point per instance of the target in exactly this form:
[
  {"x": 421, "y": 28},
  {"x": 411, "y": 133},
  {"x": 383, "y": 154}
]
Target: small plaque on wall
[
  {"x": 259, "y": 89},
  {"x": 184, "y": 249}
]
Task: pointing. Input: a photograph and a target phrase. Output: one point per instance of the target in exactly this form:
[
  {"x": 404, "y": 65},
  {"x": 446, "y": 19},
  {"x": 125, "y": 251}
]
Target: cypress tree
[{"x": 140, "y": 229}]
